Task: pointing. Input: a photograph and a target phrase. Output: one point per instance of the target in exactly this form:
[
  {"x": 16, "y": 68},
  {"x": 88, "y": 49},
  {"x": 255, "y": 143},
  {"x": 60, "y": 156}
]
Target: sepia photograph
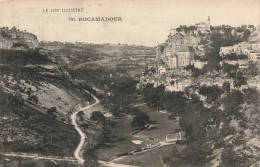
[{"x": 129, "y": 83}]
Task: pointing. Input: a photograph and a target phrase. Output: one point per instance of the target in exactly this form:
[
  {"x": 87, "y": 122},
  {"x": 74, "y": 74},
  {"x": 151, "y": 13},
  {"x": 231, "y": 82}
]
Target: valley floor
[{"x": 125, "y": 140}]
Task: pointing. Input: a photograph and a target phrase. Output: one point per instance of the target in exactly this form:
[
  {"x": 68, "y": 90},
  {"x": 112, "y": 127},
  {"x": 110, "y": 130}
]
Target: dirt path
[
  {"x": 83, "y": 136},
  {"x": 144, "y": 149},
  {"x": 81, "y": 133},
  {"x": 35, "y": 156}
]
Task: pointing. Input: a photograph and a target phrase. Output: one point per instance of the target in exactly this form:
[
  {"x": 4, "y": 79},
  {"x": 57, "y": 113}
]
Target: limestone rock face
[
  {"x": 178, "y": 51},
  {"x": 17, "y": 40}
]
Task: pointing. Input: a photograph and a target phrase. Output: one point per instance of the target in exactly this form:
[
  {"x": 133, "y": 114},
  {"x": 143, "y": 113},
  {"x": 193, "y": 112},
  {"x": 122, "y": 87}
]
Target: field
[
  {"x": 122, "y": 134},
  {"x": 121, "y": 140},
  {"x": 161, "y": 124}
]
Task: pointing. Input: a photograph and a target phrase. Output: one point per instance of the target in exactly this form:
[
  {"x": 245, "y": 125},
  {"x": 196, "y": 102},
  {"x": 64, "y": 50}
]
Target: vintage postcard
[{"x": 129, "y": 83}]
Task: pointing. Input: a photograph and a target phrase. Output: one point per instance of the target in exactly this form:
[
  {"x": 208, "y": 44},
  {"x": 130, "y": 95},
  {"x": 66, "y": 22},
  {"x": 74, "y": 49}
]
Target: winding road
[
  {"x": 79, "y": 147},
  {"x": 82, "y": 134}
]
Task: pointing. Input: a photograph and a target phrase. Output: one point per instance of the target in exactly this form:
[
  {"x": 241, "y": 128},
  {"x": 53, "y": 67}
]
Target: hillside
[
  {"x": 131, "y": 59},
  {"x": 42, "y": 85},
  {"x": 34, "y": 99},
  {"x": 216, "y": 104},
  {"x": 17, "y": 40}
]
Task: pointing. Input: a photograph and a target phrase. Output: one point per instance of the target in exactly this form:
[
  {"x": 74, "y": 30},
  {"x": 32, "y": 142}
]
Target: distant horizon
[
  {"x": 86, "y": 42},
  {"x": 145, "y": 23}
]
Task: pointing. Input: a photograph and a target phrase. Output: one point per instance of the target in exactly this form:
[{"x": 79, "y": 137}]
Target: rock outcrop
[{"x": 16, "y": 39}]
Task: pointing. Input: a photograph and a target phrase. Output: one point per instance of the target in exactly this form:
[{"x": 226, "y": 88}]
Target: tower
[{"x": 208, "y": 23}]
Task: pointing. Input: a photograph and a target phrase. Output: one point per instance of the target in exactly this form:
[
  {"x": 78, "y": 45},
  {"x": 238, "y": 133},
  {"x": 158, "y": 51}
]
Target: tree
[
  {"x": 193, "y": 120},
  {"x": 51, "y": 111},
  {"x": 230, "y": 157},
  {"x": 195, "y": 154},
  {"x": 135, "y": 110},
  {"x": 105, "y": 134},
  {"x": 14, "y": 100},
  {"x": 33, "y": 98},
  {"x": 211, "y": 92},
  {"x": 230, "y": 69},
  {"x": 253, "y": 69},
  {"x": 91, "y": 159},
  {"x": 197, "y": 72},
  {"x": 29, "y": 92},
  {"x": 154, "y": 96},
  {"x": 140, "y": 120},
  {"x": 174, "y": 102},
  {"x": 239, "y": 79},
  {"x": 213, "y": 60},
  {"x": 251, "y": 96},
  {"x": 84, "y": 125},
  {"x": 172, "y": 82},
  {"x": 232, "y": 103},
  {"x": 98, "y": 116},
  {"x": 178, "y": 29},
  {"x": 226, "y": 86}
]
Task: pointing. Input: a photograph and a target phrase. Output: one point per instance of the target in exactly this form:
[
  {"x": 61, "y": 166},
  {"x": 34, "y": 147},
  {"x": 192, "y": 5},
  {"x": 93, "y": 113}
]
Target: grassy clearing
[
  {"x": 162, "y": 125},
  {"x": 122, "y": 134},
  {"x": 121, "y": 140}
]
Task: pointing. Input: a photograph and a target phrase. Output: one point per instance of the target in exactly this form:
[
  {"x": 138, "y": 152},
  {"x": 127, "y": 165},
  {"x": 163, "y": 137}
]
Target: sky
[{"x": 144, "y": 22}]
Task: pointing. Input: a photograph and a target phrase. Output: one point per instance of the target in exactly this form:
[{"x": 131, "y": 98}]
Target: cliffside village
[
  {"x": 17, "y": 40},
  {"x": 183, "y": 49}
]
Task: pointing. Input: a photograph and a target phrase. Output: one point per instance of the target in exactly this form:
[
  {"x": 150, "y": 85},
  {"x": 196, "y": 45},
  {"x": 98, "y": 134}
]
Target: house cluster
[
  {"x": 176, "y": 80},
  {"x": 250, "y": 48},
  {"x": 15, "y": 39},
  {"x": 174, "y": 55},
  {"x": 178, "y": 84},
  {"x": 179, "y": 49},
  {"x": 202, "y": 27}
]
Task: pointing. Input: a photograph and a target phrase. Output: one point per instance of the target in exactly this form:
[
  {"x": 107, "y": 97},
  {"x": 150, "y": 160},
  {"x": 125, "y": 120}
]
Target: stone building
[
  {"x": 255, "y": 45},
  {"x": 204, "y": 27},
  {"x": 182, "y": 57},
  {"x": 185, "y": 56}
]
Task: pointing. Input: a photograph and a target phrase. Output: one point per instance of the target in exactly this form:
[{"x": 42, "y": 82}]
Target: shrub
[
  {"x": 227, "y": 130},
  {"x": 172, "y": 117},
  {"x": 51, "y": 112},
  {"x": 233, "y": 158},
  {"x": 140, "y": 120},
  {"x": 33, "y": 98},
  {"x": 251, "y": 96},
  {"x": 98, "y": 116},
  {"x": 212, "y": 92},
  {"x": 135, "y": 110}
]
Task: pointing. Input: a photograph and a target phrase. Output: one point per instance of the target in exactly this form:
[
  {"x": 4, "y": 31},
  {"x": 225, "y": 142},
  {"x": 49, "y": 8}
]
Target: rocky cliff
[{"x": 16, "y": 39}]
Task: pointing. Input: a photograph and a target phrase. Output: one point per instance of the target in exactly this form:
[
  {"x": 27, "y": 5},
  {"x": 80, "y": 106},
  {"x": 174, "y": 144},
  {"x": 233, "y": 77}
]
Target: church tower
[{"x": 208, "y": 23}]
